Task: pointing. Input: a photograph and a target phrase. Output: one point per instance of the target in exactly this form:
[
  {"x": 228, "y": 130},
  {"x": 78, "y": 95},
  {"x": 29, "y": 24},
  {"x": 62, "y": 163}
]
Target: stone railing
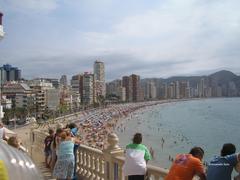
[
  {"x": 94, "y": 164},
  {"x": 90, "y": 163}
]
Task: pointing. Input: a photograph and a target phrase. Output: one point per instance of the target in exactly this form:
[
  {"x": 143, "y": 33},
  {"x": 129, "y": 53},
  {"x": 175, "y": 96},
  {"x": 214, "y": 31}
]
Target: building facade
[
  {"x": 63, "y": 81},
  {"x": 9, "y": 73},
  {"x": 88, "y": 93},
  {"x": 99, "y": 73}
]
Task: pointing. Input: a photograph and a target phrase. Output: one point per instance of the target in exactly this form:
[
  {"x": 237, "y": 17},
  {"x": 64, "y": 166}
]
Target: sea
[{"x": 176, "y": 127}]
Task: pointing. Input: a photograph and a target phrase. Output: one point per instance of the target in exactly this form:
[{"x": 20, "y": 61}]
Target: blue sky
[{"x": 156, "y": 38}]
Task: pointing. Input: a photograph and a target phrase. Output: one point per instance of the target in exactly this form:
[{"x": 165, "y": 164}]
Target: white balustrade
[{"x": 94, "y": 164}]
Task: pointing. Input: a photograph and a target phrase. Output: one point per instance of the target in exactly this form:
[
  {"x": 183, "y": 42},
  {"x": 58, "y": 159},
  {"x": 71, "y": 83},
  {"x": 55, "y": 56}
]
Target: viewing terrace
[{"x": 93, "y": 164}]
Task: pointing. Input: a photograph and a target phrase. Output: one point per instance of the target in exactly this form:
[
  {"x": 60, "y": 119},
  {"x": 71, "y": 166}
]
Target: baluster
[
  {"x": 91, "y": 170},
  {"x": 96, "y": 170},
  {"x": 80, "y": 163},
  {"x": 84, "y": 163},
  {"x": 88, "y": 164},
  {"x": 101, "y": 165},
  {"x": 120, "y": 173}
]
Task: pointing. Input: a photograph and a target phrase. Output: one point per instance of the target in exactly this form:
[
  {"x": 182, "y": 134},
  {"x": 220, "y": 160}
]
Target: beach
[{"x": 95, "y": 124}]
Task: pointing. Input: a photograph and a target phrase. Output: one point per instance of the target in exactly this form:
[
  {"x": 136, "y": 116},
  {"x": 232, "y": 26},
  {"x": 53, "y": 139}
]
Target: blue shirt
[
  {"x": 221, "y": 167},
  {"x": 66, "y": 148}
]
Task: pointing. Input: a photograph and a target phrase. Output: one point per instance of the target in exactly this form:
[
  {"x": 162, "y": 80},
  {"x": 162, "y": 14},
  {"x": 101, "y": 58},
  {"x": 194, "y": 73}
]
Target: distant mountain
[{"x": 224, "y": 76}]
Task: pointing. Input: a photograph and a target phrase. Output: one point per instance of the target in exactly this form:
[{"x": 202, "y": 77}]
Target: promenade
[{"x": 99, "y": 145}]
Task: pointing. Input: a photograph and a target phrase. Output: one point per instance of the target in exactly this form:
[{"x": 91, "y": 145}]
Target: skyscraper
[
  {"x": 63, "y": 80},
  {"x": 135, "y": 87},
  {"x": 99, "y": 73},
  {"x": 88, "y": 94},
  {"x": 127, "y": 84},
  {"x": 9, "y": 73}
]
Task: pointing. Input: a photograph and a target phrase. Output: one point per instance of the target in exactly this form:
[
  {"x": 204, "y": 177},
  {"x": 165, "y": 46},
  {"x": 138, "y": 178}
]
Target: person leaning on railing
[
  {"x": 64, "y": 167},
  {"x": 14, "y": 142},
  {"x": 55, "y": 145},
  {"x": 221, "y": 167},
  {"x": 137, "y": 156},
  {"x": 186, "y": 166}
]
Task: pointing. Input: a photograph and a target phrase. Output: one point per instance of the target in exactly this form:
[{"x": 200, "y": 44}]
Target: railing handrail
[{"x": 97, "y": 151}]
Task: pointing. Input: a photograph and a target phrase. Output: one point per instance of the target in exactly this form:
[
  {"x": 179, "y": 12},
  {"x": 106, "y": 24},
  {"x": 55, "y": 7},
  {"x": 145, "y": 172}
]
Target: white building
[
  {"x": 25, "y": 100},
  {"x": 151, "y": 90}
]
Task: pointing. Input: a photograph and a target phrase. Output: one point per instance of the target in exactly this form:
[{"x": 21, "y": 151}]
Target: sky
[{"x": 151, "y": 38}]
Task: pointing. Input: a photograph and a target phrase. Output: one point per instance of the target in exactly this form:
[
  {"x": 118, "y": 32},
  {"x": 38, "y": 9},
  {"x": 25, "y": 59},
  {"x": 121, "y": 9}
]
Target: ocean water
[{"x": 173, "y": 128}]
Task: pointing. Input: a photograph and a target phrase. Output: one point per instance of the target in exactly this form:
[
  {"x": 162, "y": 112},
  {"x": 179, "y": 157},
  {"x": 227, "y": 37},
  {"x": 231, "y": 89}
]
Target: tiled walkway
[{"x": 45, "y": 171}]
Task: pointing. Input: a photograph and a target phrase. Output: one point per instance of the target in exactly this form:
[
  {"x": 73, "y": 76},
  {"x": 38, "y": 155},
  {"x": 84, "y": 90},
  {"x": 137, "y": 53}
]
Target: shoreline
[
  {"x": 94, "y": 125},
  {"x": 93, "y": 131}
]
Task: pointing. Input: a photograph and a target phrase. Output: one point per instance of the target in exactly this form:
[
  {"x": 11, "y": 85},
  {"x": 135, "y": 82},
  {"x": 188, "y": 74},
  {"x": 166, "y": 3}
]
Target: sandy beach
[{"x": 95, "y": 124}]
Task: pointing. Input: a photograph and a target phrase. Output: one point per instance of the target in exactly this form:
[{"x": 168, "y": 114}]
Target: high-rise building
[
  {"x": 99, "y": 73},
  {"x": 9, "y": 73},
  {"x": 127, "y": 83},
  {"x": 55, "y": 82},
  {"x": 46, "y": 95},
  {"x": 115, "y": 88},
  {"x": 172, "y": 90},
  {"x": 184, "y": 89},
  {"x": 63, "y": 80},
  {"x": 201, "y": 88},
  {"x": 76, "y": 83},
  {"x": 88, "y": 94},
  {"x": 134, "y": 92}
]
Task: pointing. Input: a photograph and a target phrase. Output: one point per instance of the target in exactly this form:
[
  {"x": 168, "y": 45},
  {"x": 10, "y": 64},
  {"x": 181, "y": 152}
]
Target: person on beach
[
  {"x": 186, "y": 166},
  {"x": 137, "y": 155},
  {"x": 64, "y": 167},
  {"x": 47, "y": 148},
  {"x": 221, "y": 167}
]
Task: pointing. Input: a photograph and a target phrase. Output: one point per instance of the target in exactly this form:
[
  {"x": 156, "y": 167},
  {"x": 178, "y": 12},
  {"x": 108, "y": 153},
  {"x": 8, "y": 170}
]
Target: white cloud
[
  {"x": 183, "y": 36},
  {"x": 32, "y": 5}
]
